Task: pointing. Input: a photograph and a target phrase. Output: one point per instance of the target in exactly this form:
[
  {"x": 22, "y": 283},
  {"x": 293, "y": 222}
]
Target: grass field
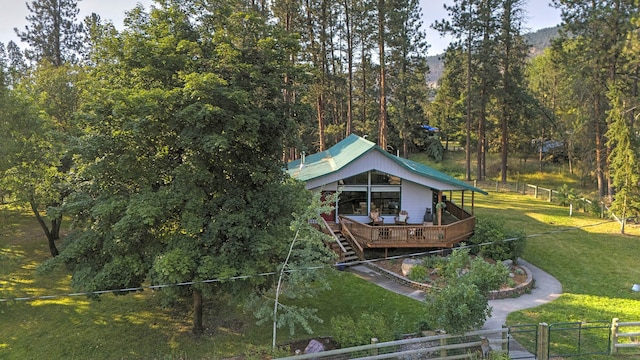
[
  {"x": 595, "y": 264},
  {"x": 137, "y": 326}
]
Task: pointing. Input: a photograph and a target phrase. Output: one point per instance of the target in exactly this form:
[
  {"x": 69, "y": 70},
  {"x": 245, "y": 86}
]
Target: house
[{"x": 370, "y": 179}]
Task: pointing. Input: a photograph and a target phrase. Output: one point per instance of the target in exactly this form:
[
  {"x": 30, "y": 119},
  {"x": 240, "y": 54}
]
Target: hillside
[{"x": 539, "y": 40}]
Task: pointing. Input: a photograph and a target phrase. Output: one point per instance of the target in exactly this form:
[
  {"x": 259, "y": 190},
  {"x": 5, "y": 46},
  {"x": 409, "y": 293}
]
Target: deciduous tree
[{"x": 180, "y": 173}]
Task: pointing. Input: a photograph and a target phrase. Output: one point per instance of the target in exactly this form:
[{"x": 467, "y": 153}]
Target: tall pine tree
[{"x": 52, "y": 33}]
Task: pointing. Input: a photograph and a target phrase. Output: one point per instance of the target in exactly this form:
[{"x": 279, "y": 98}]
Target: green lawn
[
  {"x": 596, "y": 265},
  {"x": 137, "y": 326}
]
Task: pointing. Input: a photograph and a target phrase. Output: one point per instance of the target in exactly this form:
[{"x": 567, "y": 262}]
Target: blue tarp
[{"x": 430, "y": 128}]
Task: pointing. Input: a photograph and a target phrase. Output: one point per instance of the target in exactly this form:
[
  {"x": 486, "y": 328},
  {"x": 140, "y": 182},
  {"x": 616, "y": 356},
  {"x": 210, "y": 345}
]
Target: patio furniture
[
  {"x": 428, "y": 216},
  {"x": 402, "y": 217}
]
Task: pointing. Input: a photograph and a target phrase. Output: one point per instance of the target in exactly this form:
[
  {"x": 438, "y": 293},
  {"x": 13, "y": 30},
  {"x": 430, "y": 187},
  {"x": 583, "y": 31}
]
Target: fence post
[
  {"x": 505, "y": 340},
  {"x": 542, "y": 347},
  {"x": 443, "y": 352},
  {"x": 614, "y": 337},
  {"x": 535, "y": 192},
  {"x": 496, "y": 185},
  {"x": 517, "y": 186},
  {"x": 550, "y": 195}
]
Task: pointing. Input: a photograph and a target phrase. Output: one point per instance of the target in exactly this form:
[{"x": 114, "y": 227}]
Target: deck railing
[
  {"x": 411, "y": 235},
  {"x": 335, "y": 245},
  {"x": 457, "y": 211}
]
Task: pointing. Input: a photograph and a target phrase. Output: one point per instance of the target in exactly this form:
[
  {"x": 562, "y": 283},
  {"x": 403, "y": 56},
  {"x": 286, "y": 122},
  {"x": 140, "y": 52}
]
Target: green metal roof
[{"x": 350, "y": 149}]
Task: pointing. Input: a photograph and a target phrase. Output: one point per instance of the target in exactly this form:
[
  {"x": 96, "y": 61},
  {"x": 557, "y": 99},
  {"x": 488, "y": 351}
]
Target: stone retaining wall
[
  {"x": 493, "y": 295},
  {"x": 523, "y": 288}
]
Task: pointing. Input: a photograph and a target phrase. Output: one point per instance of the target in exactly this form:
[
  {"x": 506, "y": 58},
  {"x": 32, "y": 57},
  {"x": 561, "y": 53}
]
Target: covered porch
[{"x": 457, "y": 227}]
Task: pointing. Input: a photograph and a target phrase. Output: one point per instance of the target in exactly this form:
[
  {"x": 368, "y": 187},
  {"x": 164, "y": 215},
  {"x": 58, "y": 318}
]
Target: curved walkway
[{"x": 546, "y": 289}]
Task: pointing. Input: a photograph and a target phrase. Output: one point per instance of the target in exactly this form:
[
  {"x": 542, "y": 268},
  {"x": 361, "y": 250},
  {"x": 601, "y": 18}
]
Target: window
[
  {"x": 374, "y": 190},
  {"x": 380, "y": 178},
  {"x": 386, "y": 199},
  {"x": 360, "y": 179},
  {"x": 353, "y": 202}
]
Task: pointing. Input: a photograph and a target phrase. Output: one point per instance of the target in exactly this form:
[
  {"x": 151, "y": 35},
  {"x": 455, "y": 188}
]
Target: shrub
[
  {"x": 486, "y": 276},
  {"x": 462, "y": 304},
  {"x": 349, "y": 332},
  {"x": 418, "y": 273},
  {"x": 594, "y": 208},
  {"x": 566, "y": 195},
  {"x": 516, "y": 244},
  {"x": 458, "y": 307},
  {"x": 492, "y": 234}
]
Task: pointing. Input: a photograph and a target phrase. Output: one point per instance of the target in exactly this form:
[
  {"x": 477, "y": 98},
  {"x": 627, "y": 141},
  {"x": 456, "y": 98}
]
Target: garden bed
[{"x": 522, "y": 282}]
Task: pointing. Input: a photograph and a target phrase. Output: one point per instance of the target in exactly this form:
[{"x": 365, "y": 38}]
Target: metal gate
[
  {"x": 579, "y": 338},
  {"x": 527, "y": 338}
]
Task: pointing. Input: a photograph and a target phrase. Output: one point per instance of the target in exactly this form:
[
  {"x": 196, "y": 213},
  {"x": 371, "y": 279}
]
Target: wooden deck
[{"x": 424, "y": 235}]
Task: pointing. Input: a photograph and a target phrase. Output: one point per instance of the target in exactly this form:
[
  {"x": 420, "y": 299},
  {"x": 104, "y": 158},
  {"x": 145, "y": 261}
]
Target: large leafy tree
[
  {"x": 180, "y": 177},
  {"x": 38, "y": 174},
  {"x": 39, "y": 124}
]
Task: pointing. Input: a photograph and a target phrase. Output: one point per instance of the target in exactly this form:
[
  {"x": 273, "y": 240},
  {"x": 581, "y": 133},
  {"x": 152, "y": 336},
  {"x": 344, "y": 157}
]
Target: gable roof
[{"x": 353, "y": 147}]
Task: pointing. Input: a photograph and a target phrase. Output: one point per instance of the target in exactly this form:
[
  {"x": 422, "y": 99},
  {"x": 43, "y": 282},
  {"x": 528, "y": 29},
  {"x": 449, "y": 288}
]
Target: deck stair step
[{"x": 350, "y": 257}]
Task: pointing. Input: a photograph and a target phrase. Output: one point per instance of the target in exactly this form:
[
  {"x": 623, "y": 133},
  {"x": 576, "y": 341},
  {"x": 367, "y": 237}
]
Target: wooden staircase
[{"x": 347, "y": 255}]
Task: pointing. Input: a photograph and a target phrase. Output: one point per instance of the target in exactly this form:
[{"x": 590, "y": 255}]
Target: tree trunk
[
  {"x": 467, "y": 149},
  {"x": 320, "y": 114},
  {"x": 347, "y": 12},
  {"x": 51, "y": 236},
  {"x": 382, "y": 125},
  {"x": 197, "y": 312},
  {"x": 599, "y": 149}
]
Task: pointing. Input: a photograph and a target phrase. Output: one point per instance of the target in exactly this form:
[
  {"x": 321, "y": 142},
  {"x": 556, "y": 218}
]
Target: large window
[
  {"x": 380, "y": 178},
  {"x": 386, "y": 200},
  {"x": 353, "y": 202},
  {"x": 374, "y": 190}
]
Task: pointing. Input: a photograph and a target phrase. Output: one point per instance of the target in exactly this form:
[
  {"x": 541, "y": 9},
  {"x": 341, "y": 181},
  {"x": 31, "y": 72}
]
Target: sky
[{"x": 538, "y": 15}]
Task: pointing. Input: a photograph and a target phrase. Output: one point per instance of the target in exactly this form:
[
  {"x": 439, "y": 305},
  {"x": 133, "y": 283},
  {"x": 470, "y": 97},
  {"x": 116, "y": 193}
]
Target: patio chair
[
  {"x": 402, "y": 217},
  {"x": 375, "y": 217}
]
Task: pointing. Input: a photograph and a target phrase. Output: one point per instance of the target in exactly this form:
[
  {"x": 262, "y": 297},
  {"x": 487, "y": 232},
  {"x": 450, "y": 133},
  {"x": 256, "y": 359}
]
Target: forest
[{"x": 164, "y": 142}]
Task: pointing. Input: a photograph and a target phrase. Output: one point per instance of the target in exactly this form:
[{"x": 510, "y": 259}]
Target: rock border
[
  {"x": 493, "y": 295},
  {"x": 520, "y": 289}
]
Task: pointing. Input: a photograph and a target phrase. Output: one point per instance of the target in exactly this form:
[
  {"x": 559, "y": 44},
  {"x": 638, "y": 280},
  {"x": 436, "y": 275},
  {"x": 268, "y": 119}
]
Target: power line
[
  {"x": 245, "y": 277},
  {"x": 153, "y": 287}
]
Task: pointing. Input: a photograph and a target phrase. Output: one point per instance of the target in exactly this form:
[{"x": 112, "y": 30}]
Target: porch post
[
  {"x": 473, "y": 202},
  {"x": 462, "y": 200},
  {"x": 439, "y": 209}
]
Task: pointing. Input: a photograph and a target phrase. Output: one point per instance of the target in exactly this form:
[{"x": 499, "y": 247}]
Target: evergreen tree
[
  {"x": 463, "y": 27},
  {"x": 407, "y": 74},
  {"x": 52, "y": 33},
  {"x": 624, "y": 156},
  {"x": 599, "y": 30},
  {"x": 511, "y": 58}
]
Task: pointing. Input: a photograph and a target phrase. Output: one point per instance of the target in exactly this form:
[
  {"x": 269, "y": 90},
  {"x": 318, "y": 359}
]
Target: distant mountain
[{"x": 539, "y": 40}]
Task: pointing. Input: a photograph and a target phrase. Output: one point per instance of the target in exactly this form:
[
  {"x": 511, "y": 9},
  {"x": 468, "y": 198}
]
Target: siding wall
[
  {"x": 416, "y": 193},
  {"x": 415, "y": 200},
  {"x": 374, "y": 160}
]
